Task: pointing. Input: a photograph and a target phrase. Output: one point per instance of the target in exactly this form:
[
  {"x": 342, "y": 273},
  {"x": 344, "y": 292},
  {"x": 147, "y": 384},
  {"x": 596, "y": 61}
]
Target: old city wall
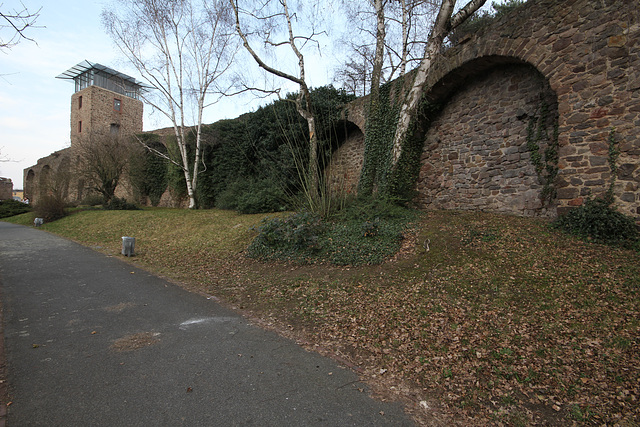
[
  {"x": 578, "y": 60},
  {"x": 6, "y": 189},
  {"x": 93, "y": 116}
]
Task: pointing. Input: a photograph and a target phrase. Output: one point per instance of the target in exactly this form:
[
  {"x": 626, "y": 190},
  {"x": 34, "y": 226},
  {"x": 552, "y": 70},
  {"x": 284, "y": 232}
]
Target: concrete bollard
[{"x": 128, "y": 246}]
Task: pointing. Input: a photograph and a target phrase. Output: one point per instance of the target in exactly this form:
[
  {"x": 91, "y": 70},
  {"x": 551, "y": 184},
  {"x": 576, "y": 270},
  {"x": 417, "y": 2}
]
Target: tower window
[
  {"x": 115, "y": 129},
  {"x": 117, "y": 104},
  {"x": 80, "y": 102},
  {"x": 80, "y": 126}
]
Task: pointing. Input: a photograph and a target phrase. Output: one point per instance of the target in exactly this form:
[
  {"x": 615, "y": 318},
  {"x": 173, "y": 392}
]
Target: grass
[{"x": 489, "y": 318}]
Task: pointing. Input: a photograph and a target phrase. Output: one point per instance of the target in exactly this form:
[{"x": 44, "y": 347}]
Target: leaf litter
[{"x": 501, "y": 321}]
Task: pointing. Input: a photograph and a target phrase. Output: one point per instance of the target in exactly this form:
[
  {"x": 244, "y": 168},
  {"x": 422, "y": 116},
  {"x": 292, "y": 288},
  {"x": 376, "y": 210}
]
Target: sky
[{"x": 35, "y": 106}]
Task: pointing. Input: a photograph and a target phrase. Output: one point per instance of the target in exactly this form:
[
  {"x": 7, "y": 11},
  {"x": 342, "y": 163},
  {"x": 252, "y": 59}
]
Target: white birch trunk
[{"x": 443, "y": 25}]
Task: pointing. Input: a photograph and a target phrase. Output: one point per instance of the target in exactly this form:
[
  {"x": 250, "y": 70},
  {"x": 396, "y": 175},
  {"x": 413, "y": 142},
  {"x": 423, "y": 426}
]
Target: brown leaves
[{"x": 503, "y": 320}]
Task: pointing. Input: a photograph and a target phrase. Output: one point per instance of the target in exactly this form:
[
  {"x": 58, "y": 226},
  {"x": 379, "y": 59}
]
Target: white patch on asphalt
[{"x": 205, "y": 321}]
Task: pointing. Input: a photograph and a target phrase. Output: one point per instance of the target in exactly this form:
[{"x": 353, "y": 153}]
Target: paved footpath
[{"x": 92, "y": 341}]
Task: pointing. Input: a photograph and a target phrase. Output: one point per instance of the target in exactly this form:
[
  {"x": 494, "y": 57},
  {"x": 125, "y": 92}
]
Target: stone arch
[
  {"x": 589, "y": 53},
  {"x": 475, "y": 153},
  {"x": 30, "y": 184},
  {"x": 343, "y": 172}
]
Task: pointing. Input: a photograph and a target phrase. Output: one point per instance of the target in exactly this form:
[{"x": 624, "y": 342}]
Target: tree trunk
[
  {"x": 443, "y": 25},
  {"x": 371, "y": 166}
]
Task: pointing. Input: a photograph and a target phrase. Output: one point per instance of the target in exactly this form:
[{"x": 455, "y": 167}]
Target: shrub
[
  {"x": 250, "y": 196},
  {"x": 92, "y": 199},
  {"x": 13, "y": 207},
  {"x": 50, "y": 208},
  {"x": 599, "y": 221},
  {"x": 364, "y": 233},
  {"x": 296, "y": 237},
  {"x": 118, "y": 204}
]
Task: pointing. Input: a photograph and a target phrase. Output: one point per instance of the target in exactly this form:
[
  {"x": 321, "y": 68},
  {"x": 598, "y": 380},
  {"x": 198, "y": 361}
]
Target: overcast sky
[{"x": 35, "y": 106}]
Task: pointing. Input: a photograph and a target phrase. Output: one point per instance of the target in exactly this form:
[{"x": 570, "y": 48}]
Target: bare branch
[
  {"x": 17, "y": 23},
  {"x": 184, "y": 50}
]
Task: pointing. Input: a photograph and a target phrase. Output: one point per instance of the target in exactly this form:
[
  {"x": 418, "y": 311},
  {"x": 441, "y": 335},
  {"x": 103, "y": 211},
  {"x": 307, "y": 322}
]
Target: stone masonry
[
  {"x": 582, "y": 54},
  {"x": 95, "y": 111},
  {"x": 462, "y": 171},
  {"x": 6, "y": 189}
]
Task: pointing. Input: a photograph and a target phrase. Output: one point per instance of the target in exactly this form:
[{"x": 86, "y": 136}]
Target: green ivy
[
  {"x": 259, "y": 154},
  {"x": 405, "y": 175},
  {"x": 380, "y": 126},
  {"x": 378, "y": 175},
  {"x": 147, "y": 171}
]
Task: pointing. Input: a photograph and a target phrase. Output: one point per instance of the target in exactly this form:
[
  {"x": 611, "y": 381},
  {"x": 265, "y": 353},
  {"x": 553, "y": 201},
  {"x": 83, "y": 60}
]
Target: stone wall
[
  {"x": 588, "y": 54},
  {"x": 94, "y": 107},
  {"x": 461, "y": 170},
  {"x": 6, "y": 189},
  {"x": 93, "y": 115},
  {"x": 344, "y": 171}
]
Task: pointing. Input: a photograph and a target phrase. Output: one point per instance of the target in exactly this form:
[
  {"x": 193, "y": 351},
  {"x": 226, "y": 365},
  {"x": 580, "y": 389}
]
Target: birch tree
[
  {"x": 384, "y": 146},
  {"x": 388, "y": 33},
  {"x": 276, "y": 19},
  {"x": 183, "y": 49},
  {"x": 445, "y": 22}
]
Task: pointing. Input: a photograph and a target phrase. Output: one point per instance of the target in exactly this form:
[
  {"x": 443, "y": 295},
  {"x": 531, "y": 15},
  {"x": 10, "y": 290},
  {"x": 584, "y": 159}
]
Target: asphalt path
[{"x": 92, "y": 341}]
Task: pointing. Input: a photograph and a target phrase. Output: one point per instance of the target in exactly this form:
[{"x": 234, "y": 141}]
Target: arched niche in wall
[{"x": 475, "y": 154}]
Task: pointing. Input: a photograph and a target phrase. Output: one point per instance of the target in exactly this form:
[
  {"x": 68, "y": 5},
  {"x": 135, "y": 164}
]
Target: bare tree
[
  {"x": 101, "y": 162},
  {"x": 388, "y": 33},
  {"x": 273, "y": 16},
  {"x": 379, "y": 166},
  {"x": 183, "y": 49},
  {"x": 16, "y": 23},
  {"x": 355, "y": 75},
  {"x": 446, "y": 22}
]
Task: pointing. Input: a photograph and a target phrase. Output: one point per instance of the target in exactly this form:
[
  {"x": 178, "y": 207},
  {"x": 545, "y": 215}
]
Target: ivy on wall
[
  {"x": 253, "y": 163},
  {"x": 378, "y": 175},
  {"x": 402, "y": 183},
  {"x": 380, "y": 127},
  {"x": 148, "y": 172}
]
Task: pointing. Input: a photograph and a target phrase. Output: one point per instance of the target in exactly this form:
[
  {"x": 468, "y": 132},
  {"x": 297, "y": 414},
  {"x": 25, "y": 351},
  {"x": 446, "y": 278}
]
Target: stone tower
[{"x": 105, "y": 102}]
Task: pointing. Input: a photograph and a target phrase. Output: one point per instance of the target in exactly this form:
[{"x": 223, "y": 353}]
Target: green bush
[
  {"x": 597, "y": 220},
  {"x": 249, "y": 196},
  {"x": 118, "y": 204},
  {"x": 13, "y": 207},
  {"x": 363, "y": 233},
  {"x": 296, "y": 237},
  {"x": 93, "y": 200}
]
